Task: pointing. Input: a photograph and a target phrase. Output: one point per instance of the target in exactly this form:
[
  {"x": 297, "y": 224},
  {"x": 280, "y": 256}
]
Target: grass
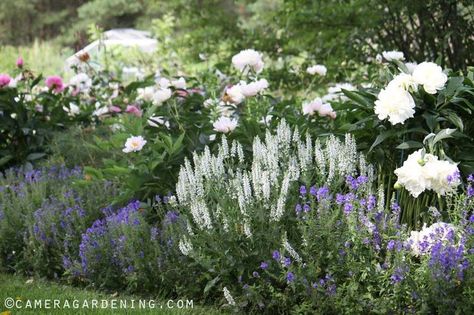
[
  {"x": 23, "y": 289},
  {"x": 41, "y": 57}
]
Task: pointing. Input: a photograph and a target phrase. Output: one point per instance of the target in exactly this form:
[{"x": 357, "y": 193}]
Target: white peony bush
[{"x": 395, "y": 101}]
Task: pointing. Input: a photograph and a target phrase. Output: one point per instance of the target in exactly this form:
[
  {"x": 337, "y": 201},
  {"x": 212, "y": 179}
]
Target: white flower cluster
[
  {"x": 237, "y": 93},
  {"x": 220, "y": 192},
  {"x": 291, "y": 250},
  {"x": 248, "y": 59},
  {"x": 161, "y": 92},
  {"x": 81, "y": 82},
  {"x": 421, "y": 242},
  {"x": 228, "y": 296},
  {"x": 185, "y": 246},
  {"x": 395, "y": 101},
  {"x": 422, "y": 172},
  {"x": 317, "y": 106},
  {"x": 317, "y": 69},
  {"x": 225, "y": 124}
]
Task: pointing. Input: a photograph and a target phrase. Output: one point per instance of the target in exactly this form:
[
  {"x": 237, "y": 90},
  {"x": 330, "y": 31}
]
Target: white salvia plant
[
  {"x": 228, "y": 296},
  {"x": 229, "y": 192}
]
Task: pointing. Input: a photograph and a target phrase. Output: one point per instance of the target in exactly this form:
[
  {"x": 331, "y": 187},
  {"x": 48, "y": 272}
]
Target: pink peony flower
[
  {"x": 19, "y": 62},
  {"x": 4, "y": 80},
  {"x": 132, "y": 109},
  {"x": 115, "y": 109},
  {"x": 55, "y": 83}
]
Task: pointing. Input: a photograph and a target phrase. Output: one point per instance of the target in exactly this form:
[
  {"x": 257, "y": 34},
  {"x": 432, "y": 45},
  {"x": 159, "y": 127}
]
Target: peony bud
[
  {"x": 397, "y": 186},
  {"x": 19, "y": 62}
]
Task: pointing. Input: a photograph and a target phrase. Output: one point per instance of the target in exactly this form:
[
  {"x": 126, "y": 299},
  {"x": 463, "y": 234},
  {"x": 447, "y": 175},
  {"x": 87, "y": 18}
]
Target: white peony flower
[
  {"x": 412, "y": 174},
  {"x": 146, "y": 93},
  {"x": 431, "y": 76},
  {"x": 161, "y": 95},
  {"x": 393, "y": 55},
  {"x": 156, "y": 121},
  {"x": 81, "y": 82},
  {"x": 326, "y": 110},
  {"x": 437, "y": 174},
  {"x": 72, "y": 110},
  {"x": 134, "y": 144},
  {"x": 309, "y": 108},
  {"x": 317, "y": 69},
  {"x": 253, "y": 88},
  {"x": 235, "y": 94},
  {"x": 421, "y": 242},
  {"x": 225, "y": 124},
  {"x": 423, "y": 172},
  {"x": 248, "y": 58},
  {"x": 403, "y": 81},
  {"x": 163, "y": 83},
  {"x": 394, "y": 103},
  {"x": 179, "y": 84},
  {"x": 317, "y": 106}
]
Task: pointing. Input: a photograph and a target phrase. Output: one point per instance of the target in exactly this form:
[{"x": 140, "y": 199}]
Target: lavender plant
[
  {"x": 122, "y": 250},
  {"x": 43, "y": 213}
]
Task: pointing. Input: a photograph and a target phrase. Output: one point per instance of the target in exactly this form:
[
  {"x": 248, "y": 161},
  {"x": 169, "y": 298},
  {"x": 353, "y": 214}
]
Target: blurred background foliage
[{"x": 324, "y": 31}]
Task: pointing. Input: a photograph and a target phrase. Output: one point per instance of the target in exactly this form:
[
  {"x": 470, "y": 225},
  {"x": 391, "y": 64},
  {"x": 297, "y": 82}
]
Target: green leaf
[
  {"x": 211, "y": 284},
  {"x": 443, "y": 134},
  {"x": 410, "y": 145},
  {"x": 5, "y": 159},
  {"x": 380, "y": 138},
  {"x": 454, "y": 83},
  {"x": 358, "y": 99},
  {"x": 455, "y": 120},
  {"x": 36, "y": 81},
  {"x": 178, "y": 143},
  {"x": 116, "y": 171},
  {"x": 35, "y": 156},
  {"x": 430, "y": 120}
]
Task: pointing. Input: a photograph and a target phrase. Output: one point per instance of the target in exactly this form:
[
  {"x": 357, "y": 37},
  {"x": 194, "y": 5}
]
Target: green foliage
[{"x": 41, "y": 57}]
